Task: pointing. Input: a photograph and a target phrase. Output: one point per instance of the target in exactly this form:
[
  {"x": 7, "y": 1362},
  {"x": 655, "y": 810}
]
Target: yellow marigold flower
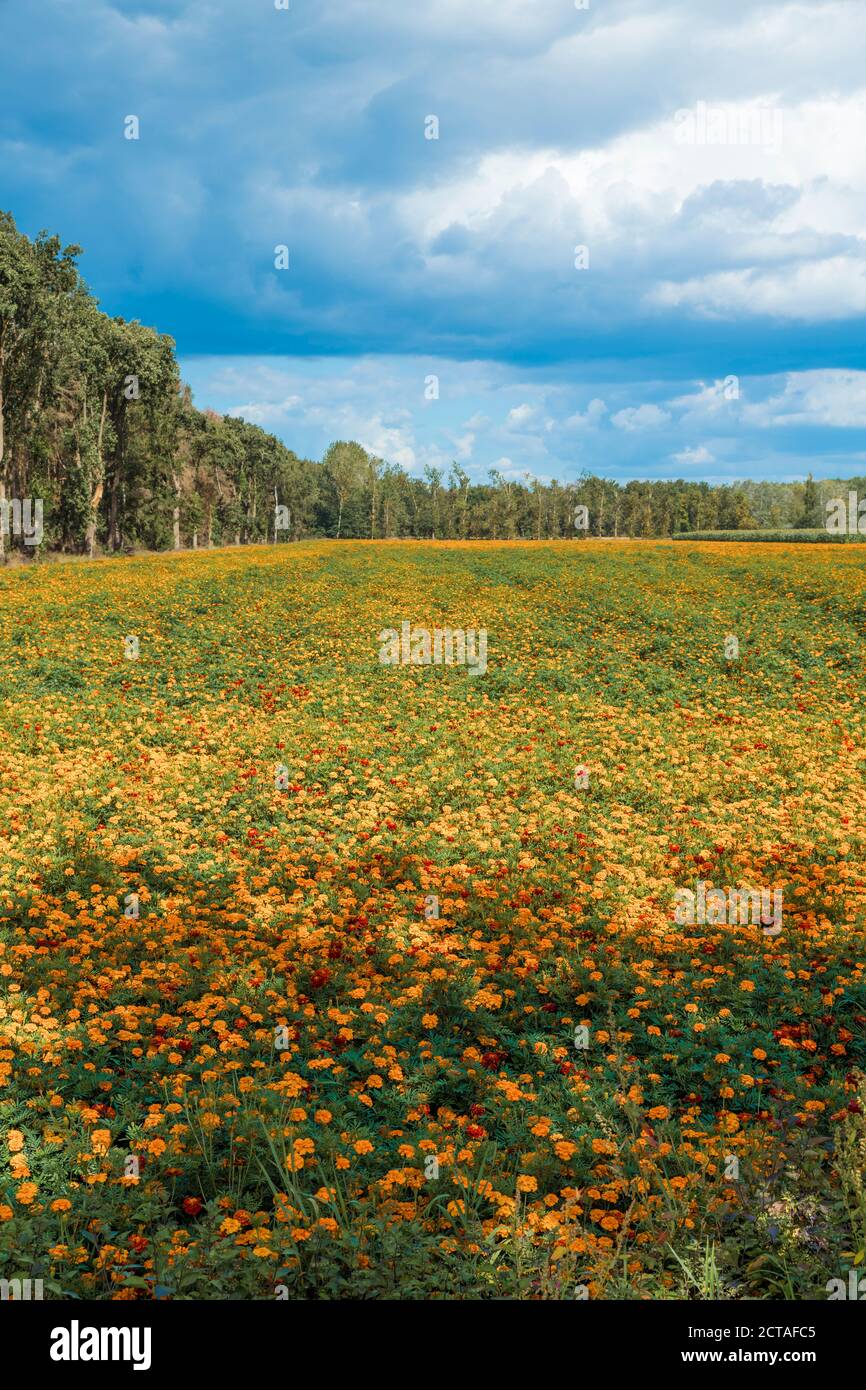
[
  {"x": 759, "y": 1054},
  {"x": 15, "y": 1141},
  {"x": 323, "y": 1117},
  {"x": 6, "y": 1213},
  {"x": 362, "y": 1146},
  {"x": 61, "y": 1204},
  {"x": 229, "y": 1226},
  {"x": 430, "y": 1020},
  {"x": 26, "y": 1192},
  {"x": 526, "y": 1183},
  {"x": 100, "y": 1139},
  {"x": 659, "y": 1112}
]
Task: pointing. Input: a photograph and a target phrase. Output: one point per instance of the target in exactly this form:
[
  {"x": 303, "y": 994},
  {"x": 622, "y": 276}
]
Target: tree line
[{"x": 97, "y": 424}]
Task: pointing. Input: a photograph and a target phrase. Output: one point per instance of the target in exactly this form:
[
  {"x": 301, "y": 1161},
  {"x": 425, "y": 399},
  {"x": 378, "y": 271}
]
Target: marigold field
[{"x": 282, "y": 1079}]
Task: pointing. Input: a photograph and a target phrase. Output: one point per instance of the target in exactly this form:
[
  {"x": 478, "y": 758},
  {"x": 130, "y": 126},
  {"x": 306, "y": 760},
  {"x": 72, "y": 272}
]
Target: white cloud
[
  {"x": 463, "y": 446},
  {"x": 641, "y": 417},
  {"x": 519, "y": 416},
  {"x": 834, "y": 288},
  {"x": 818, "y": 398},
  {"x": 694, "y": 457},
  {"x": 593, "y": 415},
  {"x": 268, "y": 414}
]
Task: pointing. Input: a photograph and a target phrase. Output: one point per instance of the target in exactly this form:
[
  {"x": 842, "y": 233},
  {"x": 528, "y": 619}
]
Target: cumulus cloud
[
  {"x": 593, "y": 415},
  {"x": 519, "y": 416},
  {"x": 833, "y": 399},
  {"x": 641, "y": 417},
  {"x": 696, "y": 457}
]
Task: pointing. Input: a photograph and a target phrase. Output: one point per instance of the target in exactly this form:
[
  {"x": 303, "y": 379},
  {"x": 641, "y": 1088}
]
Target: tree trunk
[
  {"x": 96, "y": 496},
  {"x": 113, "y": 532},
  {"x": 90, "y": 537},
  {"x": 175, "y": 514}
]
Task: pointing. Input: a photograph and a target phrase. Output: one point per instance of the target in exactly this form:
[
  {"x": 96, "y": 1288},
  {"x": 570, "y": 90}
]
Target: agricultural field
[{"x": 329, "y": 976}]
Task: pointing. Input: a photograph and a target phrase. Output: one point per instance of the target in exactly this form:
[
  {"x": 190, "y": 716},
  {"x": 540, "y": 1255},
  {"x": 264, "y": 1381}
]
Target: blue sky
[{"x": 710, "y": 158}]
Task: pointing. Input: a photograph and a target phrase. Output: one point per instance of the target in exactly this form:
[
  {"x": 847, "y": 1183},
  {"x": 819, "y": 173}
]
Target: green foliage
[{"x": 812, "y": 536}]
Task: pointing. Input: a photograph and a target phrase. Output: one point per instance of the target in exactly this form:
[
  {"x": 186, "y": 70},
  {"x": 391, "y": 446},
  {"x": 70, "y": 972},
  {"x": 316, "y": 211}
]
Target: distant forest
[{"x": 96, "y": 423}]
